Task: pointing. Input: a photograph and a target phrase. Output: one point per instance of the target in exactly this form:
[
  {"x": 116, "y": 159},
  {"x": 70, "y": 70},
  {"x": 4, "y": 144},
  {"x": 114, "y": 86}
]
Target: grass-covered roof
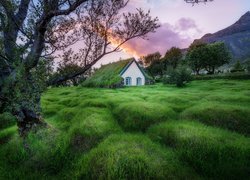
[{"x": 107, "y": 75}]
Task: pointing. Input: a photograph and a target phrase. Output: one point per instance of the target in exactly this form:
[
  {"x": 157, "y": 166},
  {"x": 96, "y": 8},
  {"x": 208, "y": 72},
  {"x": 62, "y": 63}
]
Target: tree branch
[
  {"x": 58, "y": 80},
  {"x": 22, "y": 12},
  {"x": 55, "y": 13},
  {"x": 42, "y": 24}
]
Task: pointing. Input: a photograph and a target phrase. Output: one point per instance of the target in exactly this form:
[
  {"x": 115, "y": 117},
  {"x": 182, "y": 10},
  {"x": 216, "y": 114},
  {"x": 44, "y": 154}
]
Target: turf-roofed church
[
  {"x": 134, "y": 75},
  {"x": 122, "y": 73}
]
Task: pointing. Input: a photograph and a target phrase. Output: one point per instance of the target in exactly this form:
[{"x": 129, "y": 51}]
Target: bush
[
  {"x": 212, "y": 152},
  {"x": 237, "y": 67},
  {"x": 131, "y": 157},
  {"x": 134, "y": 116},
  {"x": 7, "y": 120},
  {"x": 180, "y": 76},
  {"x": 226, "y": 116}
]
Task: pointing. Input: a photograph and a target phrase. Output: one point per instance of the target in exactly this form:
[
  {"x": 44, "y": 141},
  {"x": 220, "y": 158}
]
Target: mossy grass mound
[
  {"x": 129, "y": 156},
  {"x": 231, "y": 117},
  {"x": 7, "y": 120},
  {"x": 90, "y": 127},
  {"x": 7, "y": 133},
  {"x": 41, "y": 154},
  {"x": 212, "y": 152},
  {"x": 138, "y": 116}
]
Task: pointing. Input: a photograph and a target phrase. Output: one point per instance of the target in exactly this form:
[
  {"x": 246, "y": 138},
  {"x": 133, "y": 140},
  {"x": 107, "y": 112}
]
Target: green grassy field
[{"x": 152, "y": 132}]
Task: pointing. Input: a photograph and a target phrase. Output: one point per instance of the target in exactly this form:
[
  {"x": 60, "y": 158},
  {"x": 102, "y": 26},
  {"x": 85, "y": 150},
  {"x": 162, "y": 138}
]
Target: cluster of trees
[
  {"x": 199, "y": 56},
  {"x": 157, "y": 65},
  {"x": 177, "y": 63},
  {"x": 170, "y": 68},
  {"x": 209, "y": 57}
]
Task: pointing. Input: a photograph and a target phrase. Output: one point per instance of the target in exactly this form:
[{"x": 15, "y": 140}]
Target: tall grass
[
  {"x": 236, "y": 118},
  {"x": 212, "y": 152},
  {"x": 88, "y": 130},
  {"x": 87, "y": 135},
  {"x": 6, "y": 120},
  {"x": 132, "y": 157},
  {"x": 138, "y": 116}
]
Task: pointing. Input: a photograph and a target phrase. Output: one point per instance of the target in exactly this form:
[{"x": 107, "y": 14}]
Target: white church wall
[{"x": 134, "y": 72}]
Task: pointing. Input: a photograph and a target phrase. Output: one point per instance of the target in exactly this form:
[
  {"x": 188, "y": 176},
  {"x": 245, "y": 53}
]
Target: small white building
[
  {"x": 134, "y": 75},
  {"x": 118, "y": 74}
]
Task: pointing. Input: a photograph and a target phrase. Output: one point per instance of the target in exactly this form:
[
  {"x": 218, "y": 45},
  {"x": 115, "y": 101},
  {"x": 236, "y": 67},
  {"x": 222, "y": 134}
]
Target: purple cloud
[
  {"x": 186, "y": 24},
  {"x": 164, "y": 38}
]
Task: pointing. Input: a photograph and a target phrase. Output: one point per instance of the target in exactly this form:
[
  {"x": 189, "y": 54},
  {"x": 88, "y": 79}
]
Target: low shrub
[
  {"x": 131, "y": 157},
  {"x": 7, "y": 120},
  {"x": 212, "y": 152},
  {"x": 221, "y": 115},
  {"x": 179, "y": 76},
  {"x": 138, "y": 116},
  {"x": 237, "y": 67}
]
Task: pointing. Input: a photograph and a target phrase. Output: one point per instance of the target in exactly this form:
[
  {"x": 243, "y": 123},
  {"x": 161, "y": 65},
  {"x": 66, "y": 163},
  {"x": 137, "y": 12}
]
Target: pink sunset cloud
[
  {"x": 164, "y": 38},
  {"x": 181, "y": 23}
]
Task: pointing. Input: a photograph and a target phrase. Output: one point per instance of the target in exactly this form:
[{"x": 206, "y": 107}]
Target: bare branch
[
  {"x": 101, "y": 27},
  {"x": 22, "y": 12}
]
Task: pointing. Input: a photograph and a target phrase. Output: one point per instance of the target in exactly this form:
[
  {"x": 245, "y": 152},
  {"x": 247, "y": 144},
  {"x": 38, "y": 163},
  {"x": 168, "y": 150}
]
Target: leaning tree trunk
[
  {"x": 20, "y": 92},
  {"x": 20, "y": 95}
]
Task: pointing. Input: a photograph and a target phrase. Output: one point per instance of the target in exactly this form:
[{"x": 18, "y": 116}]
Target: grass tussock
[
  {"x": 47, "y": 156},
  {"x": 138, "y": 116},
  {"x": 235, "y": 118},
  {"x": 212, "y": 152},
  {"x": 6, "y": 120},
  {"x": 131, "y": 157},
  {"x": 91, "y": 129},
  {"x": 6, "y": 134}
]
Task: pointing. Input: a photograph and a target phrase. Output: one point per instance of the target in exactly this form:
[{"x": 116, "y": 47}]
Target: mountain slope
[{"x": 236, "y": 37}]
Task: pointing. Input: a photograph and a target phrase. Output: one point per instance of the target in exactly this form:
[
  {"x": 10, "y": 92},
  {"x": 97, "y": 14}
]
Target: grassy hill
[
  {"x": 153, "y": 132},
  {"x": 107, "y": 75}
]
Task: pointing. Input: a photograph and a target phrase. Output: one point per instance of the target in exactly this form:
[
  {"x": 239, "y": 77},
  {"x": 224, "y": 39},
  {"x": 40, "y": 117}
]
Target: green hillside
[
  {"x": 107, "y": 75},
  {"x": 150, "y": 132}
]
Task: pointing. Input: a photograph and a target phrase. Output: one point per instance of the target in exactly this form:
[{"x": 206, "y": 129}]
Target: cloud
[
  {"x": 179, "y": 35},
  {"x": 186, "y": 24}
]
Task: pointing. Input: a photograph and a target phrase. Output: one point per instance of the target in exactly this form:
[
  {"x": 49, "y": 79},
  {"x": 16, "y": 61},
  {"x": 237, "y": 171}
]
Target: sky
[{"x": 181, "y": 23}]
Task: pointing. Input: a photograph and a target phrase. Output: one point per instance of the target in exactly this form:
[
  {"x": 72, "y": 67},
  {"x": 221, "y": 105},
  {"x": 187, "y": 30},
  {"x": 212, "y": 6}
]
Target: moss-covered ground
[{"x": 153, "y": 132}]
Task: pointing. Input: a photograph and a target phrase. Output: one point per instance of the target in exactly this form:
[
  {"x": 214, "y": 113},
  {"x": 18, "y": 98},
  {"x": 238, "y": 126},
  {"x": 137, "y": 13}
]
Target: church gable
[{"x": 133, "y": 75}]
